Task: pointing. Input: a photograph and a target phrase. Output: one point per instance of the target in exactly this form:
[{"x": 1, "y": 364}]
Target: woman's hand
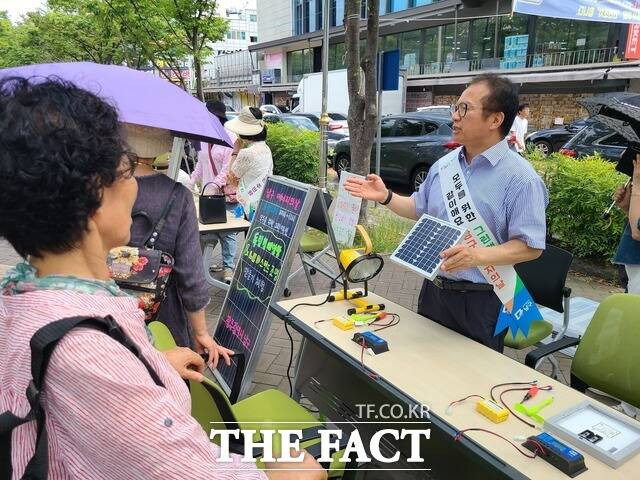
[
  {"x": 307, "y": 469},
  {"x": 636, "y": 171},
  {"x": 204, "y": 342},
  {"x": 622, "y": 197},
  {"x": 186, "y": 362},
  {"x": 370, "y": 188},
  {"x": 232, "y": 179}
]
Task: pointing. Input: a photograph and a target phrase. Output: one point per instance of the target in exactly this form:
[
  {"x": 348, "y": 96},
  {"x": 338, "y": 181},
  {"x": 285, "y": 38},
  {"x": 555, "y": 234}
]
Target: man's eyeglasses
[{"x": 461, "y": 108}]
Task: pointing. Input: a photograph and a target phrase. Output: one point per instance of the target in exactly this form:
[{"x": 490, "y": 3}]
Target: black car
[
  {"x": 410, "y": 144},
  {"x": 596, "y": 137},
  {"x": 551, "y": 140}
]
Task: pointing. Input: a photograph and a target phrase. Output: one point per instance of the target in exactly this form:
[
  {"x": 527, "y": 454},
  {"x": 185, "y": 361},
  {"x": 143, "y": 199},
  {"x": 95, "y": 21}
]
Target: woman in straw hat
[
  {"x": 253, "y": 161},
  {"x": 187, "y": 294}
]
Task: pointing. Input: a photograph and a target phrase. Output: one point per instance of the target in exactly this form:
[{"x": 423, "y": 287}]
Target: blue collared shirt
[{"x": 508, "y": 193}]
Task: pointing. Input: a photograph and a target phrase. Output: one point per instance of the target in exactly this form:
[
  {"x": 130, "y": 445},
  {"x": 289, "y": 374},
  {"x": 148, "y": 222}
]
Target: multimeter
[{"x": 561, "y": 456}]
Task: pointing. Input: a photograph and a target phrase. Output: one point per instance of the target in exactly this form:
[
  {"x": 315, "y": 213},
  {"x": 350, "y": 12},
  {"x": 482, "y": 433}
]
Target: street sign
[{"x": 390, "y": 70}]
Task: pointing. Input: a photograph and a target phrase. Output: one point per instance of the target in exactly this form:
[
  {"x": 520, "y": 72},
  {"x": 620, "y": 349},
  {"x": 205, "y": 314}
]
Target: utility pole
[{"x": 324, "y": 117}]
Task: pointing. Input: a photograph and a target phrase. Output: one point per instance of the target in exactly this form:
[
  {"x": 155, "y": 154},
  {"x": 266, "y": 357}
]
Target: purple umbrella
[{"x": 141, "y": 98}]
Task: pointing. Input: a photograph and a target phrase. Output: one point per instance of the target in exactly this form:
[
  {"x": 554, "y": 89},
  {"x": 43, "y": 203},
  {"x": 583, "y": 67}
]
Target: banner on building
[
  {"x": 613, "y": 11},
  {"x": 632, "y": 50}
]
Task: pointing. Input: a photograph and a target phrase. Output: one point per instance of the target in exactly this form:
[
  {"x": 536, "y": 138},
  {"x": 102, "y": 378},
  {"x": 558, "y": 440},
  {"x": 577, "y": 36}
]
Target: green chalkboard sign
[{"x": 261, "y": 273}]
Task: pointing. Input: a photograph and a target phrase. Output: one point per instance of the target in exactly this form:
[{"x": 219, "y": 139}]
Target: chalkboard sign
[{"x": 266, "y": 257}]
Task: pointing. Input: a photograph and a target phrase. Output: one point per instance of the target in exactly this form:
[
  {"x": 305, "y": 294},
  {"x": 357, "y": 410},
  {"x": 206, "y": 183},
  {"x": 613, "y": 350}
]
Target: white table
[{"x": 232, "y": 225}]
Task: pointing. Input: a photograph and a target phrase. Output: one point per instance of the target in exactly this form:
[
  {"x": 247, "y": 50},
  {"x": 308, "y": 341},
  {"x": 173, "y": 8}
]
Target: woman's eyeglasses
[{"x": 128, "y": 166}]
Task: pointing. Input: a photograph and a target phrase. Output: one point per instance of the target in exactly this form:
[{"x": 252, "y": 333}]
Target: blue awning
[{"x": 611, "y": 11}]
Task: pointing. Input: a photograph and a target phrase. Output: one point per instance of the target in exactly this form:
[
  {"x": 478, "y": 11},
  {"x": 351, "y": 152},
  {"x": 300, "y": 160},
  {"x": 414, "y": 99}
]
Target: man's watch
[{"x": 388, "y": 199}]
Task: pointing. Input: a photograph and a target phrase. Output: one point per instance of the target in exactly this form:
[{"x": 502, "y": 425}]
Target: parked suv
[
  {"x": 410, "y": 144},
  {"x": 596, "y": 137}
]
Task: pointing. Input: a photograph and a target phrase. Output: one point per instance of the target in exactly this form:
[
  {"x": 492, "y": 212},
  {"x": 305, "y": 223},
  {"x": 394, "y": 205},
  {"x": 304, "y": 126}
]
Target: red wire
[
  {"x": 526, "y": 454},
  {"x": 465, "y": 398},
  {"x": 368, "y": 372}
]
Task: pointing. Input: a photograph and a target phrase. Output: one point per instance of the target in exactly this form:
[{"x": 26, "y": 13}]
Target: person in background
[
  {"x": 520, "y": 126},
  {"x": 211, "y": 171},
  {"x": 187, "y": 294},
  {"x": 66, "y": 194},
  {"x": 253, "y": 161},
  {"x": 628, "y": 253}
]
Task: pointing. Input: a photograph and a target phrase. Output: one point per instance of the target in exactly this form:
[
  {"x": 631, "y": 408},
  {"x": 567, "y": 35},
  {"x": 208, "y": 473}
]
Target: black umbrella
[{"x": 620, "y": 111}]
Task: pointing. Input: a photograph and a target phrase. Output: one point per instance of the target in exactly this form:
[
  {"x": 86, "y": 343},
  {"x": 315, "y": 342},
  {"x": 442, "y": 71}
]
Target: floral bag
[{"x": 144, "y": 272}]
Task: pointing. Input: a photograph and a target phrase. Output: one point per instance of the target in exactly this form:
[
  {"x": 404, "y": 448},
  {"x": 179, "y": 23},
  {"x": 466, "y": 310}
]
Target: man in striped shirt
[{"x": 509, "y": 195}]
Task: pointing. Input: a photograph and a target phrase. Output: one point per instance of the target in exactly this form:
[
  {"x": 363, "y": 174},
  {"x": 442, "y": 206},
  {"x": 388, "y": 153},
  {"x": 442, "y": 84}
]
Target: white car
[
  {"x": 444, "y": 110},
  {"x": 270, "y": 109},
  {"x": 337, "y": 124}
]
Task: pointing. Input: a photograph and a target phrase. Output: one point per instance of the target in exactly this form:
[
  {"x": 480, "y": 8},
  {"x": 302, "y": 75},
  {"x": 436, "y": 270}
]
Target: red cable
[
  {"x": 366, "y": 370},
  {"x": 465, "y": 398}
]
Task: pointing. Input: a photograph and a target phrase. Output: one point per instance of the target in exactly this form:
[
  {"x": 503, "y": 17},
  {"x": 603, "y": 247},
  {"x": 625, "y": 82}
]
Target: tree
[
  {"x": 172, "y": 30},
  {"x": 137, "y": 33},
  {"x": 199, "y": 25},
  {"x": 361, "y": 84}
]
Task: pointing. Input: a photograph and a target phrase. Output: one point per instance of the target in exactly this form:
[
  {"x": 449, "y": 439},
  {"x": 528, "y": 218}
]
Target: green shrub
[
  {"x": 296, "y": 152},
  {"x": 579, "y": 191}
]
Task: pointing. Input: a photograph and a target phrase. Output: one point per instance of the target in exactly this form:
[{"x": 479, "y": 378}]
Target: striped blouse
[{"x": 106, "y": 418}]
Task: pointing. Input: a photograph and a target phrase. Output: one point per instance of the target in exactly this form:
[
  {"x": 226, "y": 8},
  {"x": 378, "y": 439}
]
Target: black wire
[{"x": 286, "y": 328}]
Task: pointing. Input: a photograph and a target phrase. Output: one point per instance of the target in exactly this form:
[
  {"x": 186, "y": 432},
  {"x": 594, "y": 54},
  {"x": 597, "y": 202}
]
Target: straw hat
[
  {"x": 147, "y": 142},
  {"x": 246, "y": 123}
]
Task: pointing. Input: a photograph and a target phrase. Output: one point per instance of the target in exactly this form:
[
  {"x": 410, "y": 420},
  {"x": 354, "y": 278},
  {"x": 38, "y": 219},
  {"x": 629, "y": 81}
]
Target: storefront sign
[
  {"x": 632, "y": 51},
  {"x": 613, "y": 11}
]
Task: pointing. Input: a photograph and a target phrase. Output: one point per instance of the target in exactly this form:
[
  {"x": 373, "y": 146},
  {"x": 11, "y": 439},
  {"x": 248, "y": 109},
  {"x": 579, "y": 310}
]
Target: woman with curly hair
[{"x": 66, "y": 195}]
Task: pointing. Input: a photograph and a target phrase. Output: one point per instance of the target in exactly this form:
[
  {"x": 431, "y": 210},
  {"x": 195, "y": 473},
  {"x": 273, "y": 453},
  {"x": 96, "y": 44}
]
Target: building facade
[
  {"x": 443, "y": 44},
  {"x": 228, "y": 72},
  {"x": 242, "y": 17}
]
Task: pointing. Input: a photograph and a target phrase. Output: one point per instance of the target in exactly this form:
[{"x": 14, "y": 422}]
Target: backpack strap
[
  {"x": 42, "y": 345},
  {"x": 157, "y": 228}
]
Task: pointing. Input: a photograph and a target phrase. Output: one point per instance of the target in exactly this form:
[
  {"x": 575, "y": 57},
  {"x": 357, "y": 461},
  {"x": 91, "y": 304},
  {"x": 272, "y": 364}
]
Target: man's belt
[{"x": 461, "y": 285}]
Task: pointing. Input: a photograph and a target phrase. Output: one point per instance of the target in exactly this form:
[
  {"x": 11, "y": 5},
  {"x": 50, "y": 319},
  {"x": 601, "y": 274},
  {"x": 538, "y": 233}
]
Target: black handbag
[
  {"x": 212, "y": 208},
  {"x": 144, "y": 272}
]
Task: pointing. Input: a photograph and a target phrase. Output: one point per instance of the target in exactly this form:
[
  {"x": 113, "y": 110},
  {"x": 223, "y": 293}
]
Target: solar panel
[{"x": 420, "y": 250}]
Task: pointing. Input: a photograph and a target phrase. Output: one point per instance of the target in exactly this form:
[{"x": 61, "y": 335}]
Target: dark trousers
[{"x": 472, "y": 314}]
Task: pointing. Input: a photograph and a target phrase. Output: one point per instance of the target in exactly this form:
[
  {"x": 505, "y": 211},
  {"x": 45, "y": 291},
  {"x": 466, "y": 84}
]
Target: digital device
[
  {"x": 370, "y": 340},
  {"x": 561, "y": 456}
]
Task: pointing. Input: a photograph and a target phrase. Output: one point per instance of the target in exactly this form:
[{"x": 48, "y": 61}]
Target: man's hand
[
  {"x": 205, "y": 342},
  {"x": 461, "y": 257},
  {"x": 622, "y": 197},
  {"x": 370, "y": 188},
  {"x": 186, "y": 362},
  {"x": 308, "y": 469}
]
